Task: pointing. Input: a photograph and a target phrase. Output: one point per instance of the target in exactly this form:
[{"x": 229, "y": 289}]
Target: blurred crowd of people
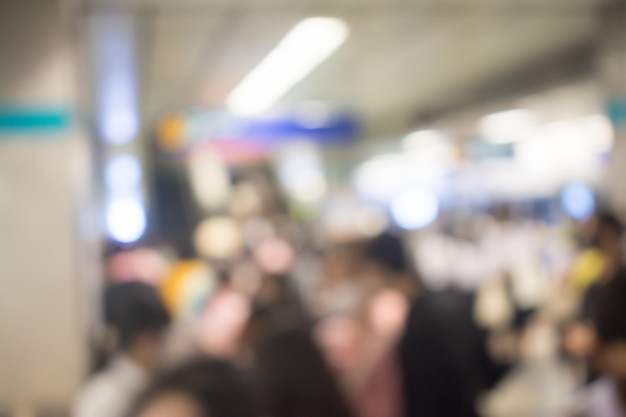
[{"x": 422, "y": 324}]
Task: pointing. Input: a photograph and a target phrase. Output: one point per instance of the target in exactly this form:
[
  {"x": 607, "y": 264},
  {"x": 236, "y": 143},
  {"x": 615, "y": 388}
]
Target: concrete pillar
[{"x": 48, "y": 234}]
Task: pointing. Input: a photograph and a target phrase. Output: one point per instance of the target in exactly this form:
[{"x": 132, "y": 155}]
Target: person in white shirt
[{"x": 137, "y": 319}]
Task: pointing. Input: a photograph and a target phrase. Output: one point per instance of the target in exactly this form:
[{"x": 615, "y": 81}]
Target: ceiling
[{"x": 402, "y": 58}]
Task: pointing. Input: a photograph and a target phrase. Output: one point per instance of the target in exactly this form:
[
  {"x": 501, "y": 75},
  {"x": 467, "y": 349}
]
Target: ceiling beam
[{"x": 439, "y": 9}]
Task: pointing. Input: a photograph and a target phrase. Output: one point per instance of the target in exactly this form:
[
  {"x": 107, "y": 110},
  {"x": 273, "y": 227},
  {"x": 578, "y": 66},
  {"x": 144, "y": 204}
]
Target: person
[
  {"x": 374, "y": 381},
  {"x": 295, "y": 380},
  {"x": 579, "y": 334},
  {"x": 375, "y": 375},
  {"x": 281, "y": 303},
  {"x": 444, "y": 361},
  {"x": 201, "y": 387},
  {"x": 608, "y": 237},
  {"x": 606, "y": 396},
  {"x": 136, "y": 319}
]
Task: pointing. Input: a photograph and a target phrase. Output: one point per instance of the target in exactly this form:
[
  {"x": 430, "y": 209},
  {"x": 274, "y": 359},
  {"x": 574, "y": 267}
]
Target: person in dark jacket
[
  {"x": 436, "y": 355},
  {"x": 444, "y": 358}
]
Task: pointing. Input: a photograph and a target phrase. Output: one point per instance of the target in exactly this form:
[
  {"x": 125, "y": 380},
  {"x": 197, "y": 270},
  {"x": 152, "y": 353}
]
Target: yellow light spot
[{"x": 170, "y": 133}]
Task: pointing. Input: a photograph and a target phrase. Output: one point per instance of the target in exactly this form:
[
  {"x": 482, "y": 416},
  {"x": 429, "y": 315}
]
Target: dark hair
[
  {"x": 214, "y": 385},
  {"x": 296, "y": 381},
  {"x": 607, "y": 221},
  {"x": 133, "y": 308},
  {"x": 388, "y": 251},
  {"x": 609, "y": 310}
]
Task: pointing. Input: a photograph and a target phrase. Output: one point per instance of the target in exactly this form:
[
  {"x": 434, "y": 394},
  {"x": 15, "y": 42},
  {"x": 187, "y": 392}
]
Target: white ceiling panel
[
  {"x": 248, "y": 40},
  {"x": 178, "y": 45}
]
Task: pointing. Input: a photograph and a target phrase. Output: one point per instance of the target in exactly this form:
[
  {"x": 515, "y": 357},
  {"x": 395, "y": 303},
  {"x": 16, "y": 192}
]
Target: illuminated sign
[{"x": 181, "y": 130}]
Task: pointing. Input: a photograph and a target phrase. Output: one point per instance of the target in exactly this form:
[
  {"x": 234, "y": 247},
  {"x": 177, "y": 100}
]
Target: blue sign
[
  {"x": 340, "y": 129},
  {"x": 617, "y": 110},
  {"x": 198, "y": 125},
  {"x": 19, "y": 120}
]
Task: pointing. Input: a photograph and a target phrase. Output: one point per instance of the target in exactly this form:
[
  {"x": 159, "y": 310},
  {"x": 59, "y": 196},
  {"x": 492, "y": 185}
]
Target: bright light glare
[
  {"x": 507, "y": 126},
  {"x": 424, "y": 138},
  {"x": 120, "y": 126},
  {"x": 598, "y": 131},
  {"x": 126, "y": 219},
  {"x": 123, "y": 174},
  {"x": 209, "y": 178},
  {"x": 218, "y": 237},
  {"x": 566, "y": 149},
  {"x": 307, "y": 45},
  {"x": 301, "y": 173},
  {"x": 382, "y": 177},
  {"x": 414, "y": 209},
  {"x": 578, "y": 201},
  {"x": 308, "y": 185}
]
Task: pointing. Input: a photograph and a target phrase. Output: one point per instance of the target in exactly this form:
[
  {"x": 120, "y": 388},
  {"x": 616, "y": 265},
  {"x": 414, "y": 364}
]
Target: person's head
[
  {"x": 609, "y": 317},
  {"x": 608, "y": 233},
  {"x": 387, "y": 253},
  {"x": 202, "y": 387},
  {"x": 138, "y": 316}
]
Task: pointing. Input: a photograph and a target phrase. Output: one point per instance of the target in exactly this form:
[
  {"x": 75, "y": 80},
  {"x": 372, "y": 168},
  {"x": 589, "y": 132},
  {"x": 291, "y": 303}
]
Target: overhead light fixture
[
  {"x": 307, "y": 45},
  {"x": 506, "y": 126}
]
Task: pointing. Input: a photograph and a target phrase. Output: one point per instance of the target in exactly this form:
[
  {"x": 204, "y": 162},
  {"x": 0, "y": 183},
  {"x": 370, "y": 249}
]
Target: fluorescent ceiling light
[
  {"x": 307, "y": 45},
  {"x": 507, "y": 126}
]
